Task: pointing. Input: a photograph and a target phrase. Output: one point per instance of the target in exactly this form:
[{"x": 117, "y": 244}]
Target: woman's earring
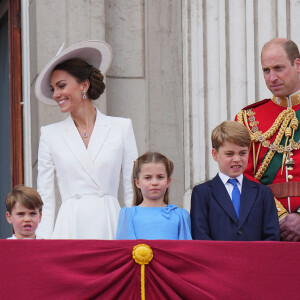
[{"x": 84, "y": 95}]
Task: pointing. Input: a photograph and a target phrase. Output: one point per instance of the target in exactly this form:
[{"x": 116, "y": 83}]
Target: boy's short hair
[
  {"x": 25, "y": 195},
  {"x": 230, "y": 131}
]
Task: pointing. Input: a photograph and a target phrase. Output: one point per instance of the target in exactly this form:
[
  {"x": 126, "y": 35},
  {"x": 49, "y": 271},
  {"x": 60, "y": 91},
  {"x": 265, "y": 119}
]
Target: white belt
[{"x": 79, "y": 196}]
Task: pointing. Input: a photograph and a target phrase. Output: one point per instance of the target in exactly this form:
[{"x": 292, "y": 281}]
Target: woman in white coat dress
[{"x": 87, "y": 151}]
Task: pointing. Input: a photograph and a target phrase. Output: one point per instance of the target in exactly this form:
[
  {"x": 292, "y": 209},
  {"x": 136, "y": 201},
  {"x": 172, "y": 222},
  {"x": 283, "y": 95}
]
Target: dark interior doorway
[
  {"x": 11, "y": 132},
  {"x": 5, "y": 148}
]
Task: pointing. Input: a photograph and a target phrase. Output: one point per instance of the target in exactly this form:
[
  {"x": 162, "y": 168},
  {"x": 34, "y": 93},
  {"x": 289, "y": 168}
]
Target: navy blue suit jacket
[{"x": 213, "y": 216}]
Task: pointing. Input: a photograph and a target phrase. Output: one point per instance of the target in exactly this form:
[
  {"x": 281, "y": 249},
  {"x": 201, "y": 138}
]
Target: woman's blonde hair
[{"x": 149, "y": 157}]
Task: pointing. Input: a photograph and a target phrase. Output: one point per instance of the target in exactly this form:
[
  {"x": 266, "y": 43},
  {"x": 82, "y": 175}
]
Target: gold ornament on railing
[{"x": 142, "y": 254}]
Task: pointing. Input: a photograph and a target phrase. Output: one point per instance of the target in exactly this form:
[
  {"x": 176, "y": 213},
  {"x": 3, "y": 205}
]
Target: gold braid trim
[
  {"x": 277, "y": 141},
  {"x": 281, "y": 121},
  {"x": 281, "y": 211},
  {"x": 242, "y": 118}
]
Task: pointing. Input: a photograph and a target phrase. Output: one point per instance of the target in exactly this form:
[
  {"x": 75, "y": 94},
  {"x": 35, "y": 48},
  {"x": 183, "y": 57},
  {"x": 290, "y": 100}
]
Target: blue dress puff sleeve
[
  {"x": 125, "y": 229},
  {"x": 184, "y": 225},
  {"x": 184, "y": 221}
]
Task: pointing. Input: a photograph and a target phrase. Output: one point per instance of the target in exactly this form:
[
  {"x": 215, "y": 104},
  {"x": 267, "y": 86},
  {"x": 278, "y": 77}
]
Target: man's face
[{"x": 282, "y": 79}]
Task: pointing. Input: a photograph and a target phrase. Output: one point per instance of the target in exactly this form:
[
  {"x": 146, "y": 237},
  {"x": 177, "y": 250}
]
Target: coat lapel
[
  {"x": 248, "y": 196},
  {"x": 77, "y": 147},
  {"x": 99, "y": 135},
  {"x": 222, "y": 197}
]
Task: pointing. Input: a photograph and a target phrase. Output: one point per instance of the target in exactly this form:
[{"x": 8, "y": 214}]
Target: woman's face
[{"x": 67, "y": 92}]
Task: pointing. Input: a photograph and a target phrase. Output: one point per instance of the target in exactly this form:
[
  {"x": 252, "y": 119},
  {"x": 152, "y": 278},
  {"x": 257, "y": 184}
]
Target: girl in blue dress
[{"x": 151, "y": 216}]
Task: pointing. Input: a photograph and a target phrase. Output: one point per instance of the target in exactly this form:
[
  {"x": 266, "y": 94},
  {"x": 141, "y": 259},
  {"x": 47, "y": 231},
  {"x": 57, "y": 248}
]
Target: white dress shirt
[{"x": 229, "y": 186}]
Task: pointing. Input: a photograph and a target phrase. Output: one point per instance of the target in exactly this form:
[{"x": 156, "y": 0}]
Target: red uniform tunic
[{"x": 264, "y": 115}]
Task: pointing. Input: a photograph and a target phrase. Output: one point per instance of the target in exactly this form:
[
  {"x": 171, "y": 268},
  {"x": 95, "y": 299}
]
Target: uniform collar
[{"x": 289, "y": 101}]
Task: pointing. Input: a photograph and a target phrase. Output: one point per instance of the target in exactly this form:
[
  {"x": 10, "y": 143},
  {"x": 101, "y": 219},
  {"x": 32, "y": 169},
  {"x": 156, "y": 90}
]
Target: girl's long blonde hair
[{"x": 149, "y": 157}]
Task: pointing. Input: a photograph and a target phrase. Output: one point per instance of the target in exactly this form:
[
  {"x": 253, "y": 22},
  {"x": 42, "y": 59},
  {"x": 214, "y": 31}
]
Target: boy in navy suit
[{"x": 231, "y": 207}]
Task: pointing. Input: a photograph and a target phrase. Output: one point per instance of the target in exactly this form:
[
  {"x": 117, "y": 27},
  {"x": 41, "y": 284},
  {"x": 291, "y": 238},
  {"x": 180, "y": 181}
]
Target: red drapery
[{"x": 91, "y": 269}]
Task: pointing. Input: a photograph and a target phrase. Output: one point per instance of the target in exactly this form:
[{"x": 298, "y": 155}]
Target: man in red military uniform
[{"x": 273, "y": 125}]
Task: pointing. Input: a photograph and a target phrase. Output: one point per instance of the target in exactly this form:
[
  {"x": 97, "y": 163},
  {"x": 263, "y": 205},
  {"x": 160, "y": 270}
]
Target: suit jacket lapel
[
  {"x": 248, "y": 196},
  {"x": 222, "y": 197},
  {"x": 77, "y": 147},
  {"x": 99, "y": 135}
]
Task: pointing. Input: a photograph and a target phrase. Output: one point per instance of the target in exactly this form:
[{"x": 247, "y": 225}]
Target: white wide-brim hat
[{"x": 96, "y": 53}]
